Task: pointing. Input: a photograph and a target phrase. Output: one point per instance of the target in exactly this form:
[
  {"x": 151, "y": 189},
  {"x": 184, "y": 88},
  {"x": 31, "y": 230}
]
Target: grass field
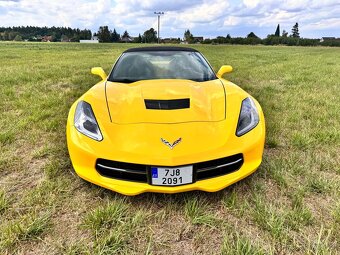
[{"x": 289, "y": 206}]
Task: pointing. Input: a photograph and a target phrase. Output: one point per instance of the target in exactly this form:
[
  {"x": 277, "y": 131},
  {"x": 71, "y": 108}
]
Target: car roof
[{"x": 160, "y": 48}]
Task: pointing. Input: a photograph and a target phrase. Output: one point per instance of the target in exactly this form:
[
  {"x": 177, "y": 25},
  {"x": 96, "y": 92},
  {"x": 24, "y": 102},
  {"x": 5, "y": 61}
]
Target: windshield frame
[{"x": 208, "y": 65}]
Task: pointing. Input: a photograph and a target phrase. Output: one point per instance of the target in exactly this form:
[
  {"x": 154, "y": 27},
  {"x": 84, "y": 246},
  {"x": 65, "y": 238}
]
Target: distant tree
[
  {"x": 12, "y": 35},
  {"x": 295, "y": 31},
  {"x": 115, "y": 37},
  {"x": 150, "y": 36},
  {"x": 188, "y": 37},
  {"x": 138, "y": 39},
  {"x": 74, "y": 38},
  {"x": 251, "y": 39},
  {"x": 228, "y": 38},
  {"x": 252, "y": 35},
  {"x": 126, "y": 37},
  {"x": 272, "y": 40},
  {"x": 284, "y": 33},
  {"x": 277, "y": 32},
  {"x": 220, "y": 40},
  {"x": 82, "y": 34},
  {"x": 64, "y": 38},
  {"x": 5, "y": 35},
  {"x": 238, "y": 40},
  {"x": 207, "y": 41},
  {"x": 18, "y": 38},
  {"x": 36, "y": 33},
  {"x": 104, "y": 34}
]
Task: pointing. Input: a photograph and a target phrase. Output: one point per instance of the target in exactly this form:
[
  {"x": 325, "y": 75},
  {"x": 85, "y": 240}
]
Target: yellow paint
[
  {"x": 223, "y": 70},
  {"x": 99, "y": 71},
  {"x": 207, "y": 101},
  {"x": 134, "y": 134}
]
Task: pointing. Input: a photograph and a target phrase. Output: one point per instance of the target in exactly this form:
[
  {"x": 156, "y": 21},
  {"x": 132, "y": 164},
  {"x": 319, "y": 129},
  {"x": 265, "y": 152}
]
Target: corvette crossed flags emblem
[{"x": 171, "y": 145}]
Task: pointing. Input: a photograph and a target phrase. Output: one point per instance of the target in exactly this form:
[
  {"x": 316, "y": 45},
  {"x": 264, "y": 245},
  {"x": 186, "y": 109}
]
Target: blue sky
[{"x": 203, "y": 18}]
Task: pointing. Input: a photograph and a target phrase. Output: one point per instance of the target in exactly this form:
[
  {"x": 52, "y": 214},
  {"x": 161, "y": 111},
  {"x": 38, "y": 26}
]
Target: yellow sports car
[{"x": 163, "y": 121}]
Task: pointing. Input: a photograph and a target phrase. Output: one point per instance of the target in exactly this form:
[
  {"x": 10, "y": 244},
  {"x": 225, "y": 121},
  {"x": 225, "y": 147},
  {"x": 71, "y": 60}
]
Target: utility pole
[{"x": 159, "y": 17}]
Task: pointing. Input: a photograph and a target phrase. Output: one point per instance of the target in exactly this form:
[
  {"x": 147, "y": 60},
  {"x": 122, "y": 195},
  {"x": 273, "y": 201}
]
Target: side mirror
[
  {"x": 223, "y": 70},
  {"x": 99, "y": 71}
]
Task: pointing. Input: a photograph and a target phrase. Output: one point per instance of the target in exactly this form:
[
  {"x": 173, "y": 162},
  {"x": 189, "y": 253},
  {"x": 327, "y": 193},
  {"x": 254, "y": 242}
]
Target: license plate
[{"x": 171, "y": 176}]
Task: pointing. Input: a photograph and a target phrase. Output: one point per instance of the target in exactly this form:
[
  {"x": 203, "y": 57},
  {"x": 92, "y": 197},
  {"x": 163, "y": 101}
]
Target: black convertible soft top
[{"x": 160, "y": 48}]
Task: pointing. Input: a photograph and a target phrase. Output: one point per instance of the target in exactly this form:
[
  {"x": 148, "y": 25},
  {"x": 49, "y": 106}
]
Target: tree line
[
  {"x": 150, "y": 36},
  {"x": 55, "y": 34},
  {"x": 277, "y": 38},
  {"x": 105, "y": 35}
]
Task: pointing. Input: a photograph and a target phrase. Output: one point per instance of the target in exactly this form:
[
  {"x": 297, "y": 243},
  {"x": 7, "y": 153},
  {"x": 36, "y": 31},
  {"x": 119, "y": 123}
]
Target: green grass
[
  {"x": 233, "y": 244},
  {"x": 28, "y": 228},
  {"x": 197, "y": 211},
  {"x": 3, "y": 202},
  {"x": 289, "y": 206}
]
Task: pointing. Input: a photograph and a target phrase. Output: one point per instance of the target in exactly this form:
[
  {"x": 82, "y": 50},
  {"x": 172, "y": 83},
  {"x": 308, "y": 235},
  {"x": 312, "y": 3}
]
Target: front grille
[
  {"x": 217, "y": 167},
  {"x": 141, "y": 173},
  {"x": 121, "y": 170},
  {"x": 172, "y": 104}
]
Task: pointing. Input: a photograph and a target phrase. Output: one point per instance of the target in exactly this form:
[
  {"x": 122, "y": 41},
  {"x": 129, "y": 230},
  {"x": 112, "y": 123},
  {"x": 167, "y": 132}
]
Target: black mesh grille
[
  {"x": 140, "y": 173},
  {"x": 171, "y": 104}
]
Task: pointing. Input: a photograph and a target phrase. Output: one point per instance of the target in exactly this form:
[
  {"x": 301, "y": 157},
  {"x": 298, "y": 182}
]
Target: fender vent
[{"x": 172, "y": 104}]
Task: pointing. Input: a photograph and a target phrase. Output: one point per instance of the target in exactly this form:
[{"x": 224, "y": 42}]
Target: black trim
[
  {"x": 127, "y": 172},
  {"x": 142, "y": 173},
  {"x": 225, "y": 99},
  {"x": 113, "y": 67},
  {"x": 107, "y": 103},
  {"x": 160, "y": 48},
  {"x": 172, "y": 104},
  {"x": 218, "y": 167}
]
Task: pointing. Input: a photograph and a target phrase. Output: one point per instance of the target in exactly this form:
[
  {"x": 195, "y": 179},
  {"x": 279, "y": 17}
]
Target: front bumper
[
  {"x": 134, "y": 188},
  {"x": 84, "y": 160}
]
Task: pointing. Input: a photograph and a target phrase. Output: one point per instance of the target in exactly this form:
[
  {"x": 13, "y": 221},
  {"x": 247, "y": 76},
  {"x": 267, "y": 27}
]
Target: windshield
[{"x": 148, "y": 65}]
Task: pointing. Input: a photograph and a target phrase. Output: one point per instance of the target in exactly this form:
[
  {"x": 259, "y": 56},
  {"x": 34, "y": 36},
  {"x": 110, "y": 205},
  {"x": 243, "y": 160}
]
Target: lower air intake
[{"x": 139, "y": 172}]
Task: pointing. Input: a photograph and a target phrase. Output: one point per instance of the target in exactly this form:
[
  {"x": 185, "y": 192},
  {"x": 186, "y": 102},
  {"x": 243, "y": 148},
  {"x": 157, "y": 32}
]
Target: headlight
[
  {"x": 85, "y": 122},
  {"x": 249, "y": 117}
]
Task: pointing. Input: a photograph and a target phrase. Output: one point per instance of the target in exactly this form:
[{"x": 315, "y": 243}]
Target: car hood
[{"x": 130, "y": 103}]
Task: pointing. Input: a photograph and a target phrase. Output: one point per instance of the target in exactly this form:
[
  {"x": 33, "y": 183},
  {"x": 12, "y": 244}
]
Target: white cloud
[
  {"x": 325, "y": 24},
  {"x": 232, "y": 21},
  {"x": 251, "y": 3},
  {"x": 203, "y": 17}
]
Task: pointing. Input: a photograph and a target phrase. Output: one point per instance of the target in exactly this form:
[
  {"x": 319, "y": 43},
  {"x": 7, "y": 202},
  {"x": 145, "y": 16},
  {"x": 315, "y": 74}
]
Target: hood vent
[{"x": 172, "y": 104}]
